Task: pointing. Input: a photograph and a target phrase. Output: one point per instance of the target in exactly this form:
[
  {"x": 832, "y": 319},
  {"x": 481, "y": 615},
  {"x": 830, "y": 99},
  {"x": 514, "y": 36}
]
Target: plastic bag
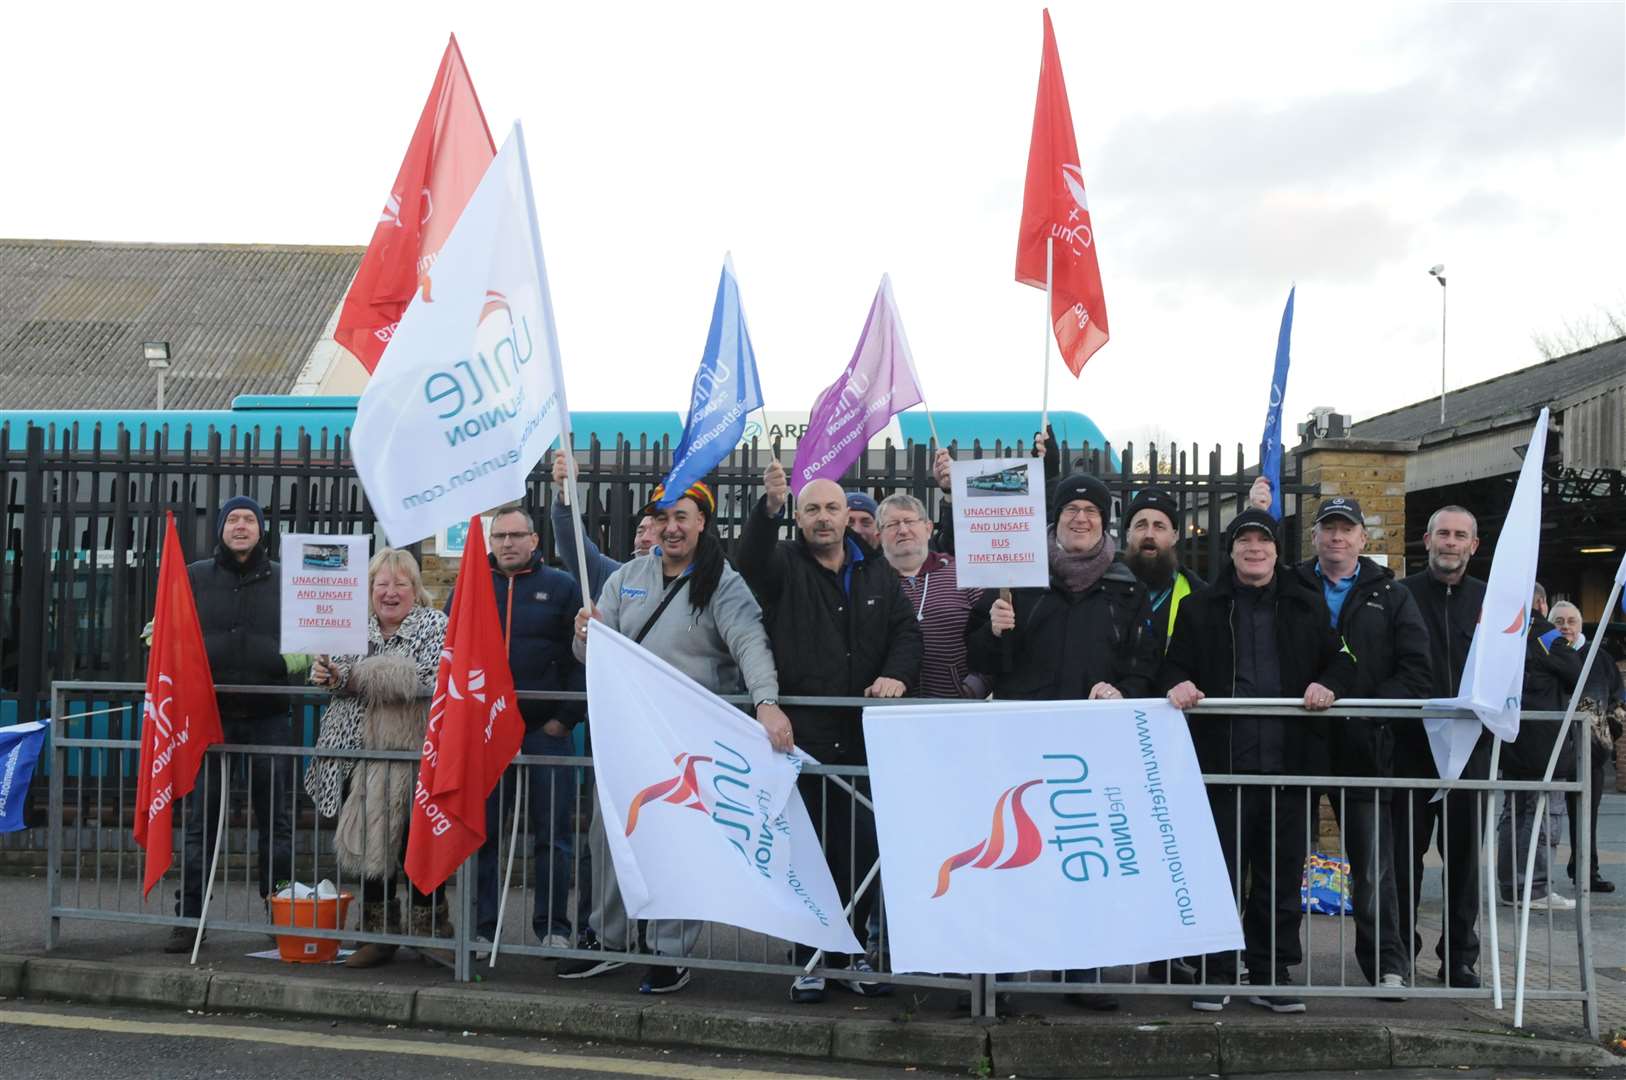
[
  {"x": 1326, "y": 888},
  {"x": 298, "y": 890}
]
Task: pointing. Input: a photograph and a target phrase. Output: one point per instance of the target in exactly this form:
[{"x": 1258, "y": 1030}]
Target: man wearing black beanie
[
  {"x": 1151, "y": 534},
  {"x": 1258, "y": 632},
  {"x": 1086, "y": 635},
  {"x": 239, "y": 596}
]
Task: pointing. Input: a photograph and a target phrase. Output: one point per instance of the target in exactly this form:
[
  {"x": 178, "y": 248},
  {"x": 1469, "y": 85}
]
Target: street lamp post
[
  {"x": 1438, "y": 272},
  {"x": 157, "y": 354}
]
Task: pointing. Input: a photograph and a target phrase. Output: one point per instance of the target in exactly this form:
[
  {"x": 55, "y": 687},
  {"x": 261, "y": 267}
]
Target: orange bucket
[{"x": 327, "y": 914}]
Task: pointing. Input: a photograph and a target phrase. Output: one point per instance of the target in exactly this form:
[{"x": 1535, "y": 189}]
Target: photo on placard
[
  {"x": 325, "y": 556},
  {"x": 1006, "y": 483},
  {"x": 450, "y": 541}
]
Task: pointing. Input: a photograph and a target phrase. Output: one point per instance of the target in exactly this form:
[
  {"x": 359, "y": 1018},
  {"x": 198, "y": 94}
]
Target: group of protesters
[{"x": 862, "y": 602}]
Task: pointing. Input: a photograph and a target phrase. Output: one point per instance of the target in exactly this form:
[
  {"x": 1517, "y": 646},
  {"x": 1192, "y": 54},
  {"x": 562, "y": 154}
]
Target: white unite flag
[
  {"x": 1018, "y": 836},
  {"x": 468, "y": 395},
  {"x": 701, "y": 814},
  {"x": 1493, "y": 678}
]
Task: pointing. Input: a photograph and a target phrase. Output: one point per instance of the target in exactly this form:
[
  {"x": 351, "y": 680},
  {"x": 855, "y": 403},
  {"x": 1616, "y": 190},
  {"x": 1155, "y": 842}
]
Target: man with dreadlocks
[{"x": 688, "y": 606}]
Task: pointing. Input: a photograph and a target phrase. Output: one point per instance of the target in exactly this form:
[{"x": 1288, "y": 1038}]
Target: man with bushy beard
[{"x": 1151, "y": 530}]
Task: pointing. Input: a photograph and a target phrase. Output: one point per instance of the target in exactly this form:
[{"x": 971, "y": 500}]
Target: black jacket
[
  {"x": 240, "y": 610},
  {"x": 833, "y": 633},
  {"x": 1382, "y": 626},
  {"x": 1204, "y": 650},
  {"x": 1450, "y": 612},
  {"x": 537, "y": 607},
  {"x": 1551, "y": 670},
  {"x": 1064, "y": 642}
]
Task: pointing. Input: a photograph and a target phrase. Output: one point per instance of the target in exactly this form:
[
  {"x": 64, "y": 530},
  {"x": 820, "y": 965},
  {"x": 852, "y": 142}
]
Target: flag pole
[
  {"x": 1049, "y": 328},
  {"x": 931, "y": 423},
  {"x": 566, "y": 442},
  {"x": 214, "y": 863},
  {"x": 1492, "y": 812},
  {"x": 508, "y": 874},
  {"x": 909, "y": 354},
  {"x": 1541, "y": 802}
]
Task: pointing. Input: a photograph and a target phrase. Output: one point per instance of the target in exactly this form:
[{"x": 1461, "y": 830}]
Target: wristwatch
[{"x": 767, "y": 701}]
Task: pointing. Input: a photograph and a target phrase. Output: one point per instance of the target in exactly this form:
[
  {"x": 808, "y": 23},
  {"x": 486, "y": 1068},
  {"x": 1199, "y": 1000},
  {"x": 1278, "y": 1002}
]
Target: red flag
[
  {"x": 1054, "y": 207},
  {"x": 474, "y": 728},
  {"x": 444, "y": 163},
  {"x": 180, "y": 718}
]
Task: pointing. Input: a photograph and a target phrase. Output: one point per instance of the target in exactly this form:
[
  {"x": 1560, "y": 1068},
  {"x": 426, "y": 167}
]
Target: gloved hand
[
  {"x": 146, "y": 634},
  {"x": 297, "y": 664}
]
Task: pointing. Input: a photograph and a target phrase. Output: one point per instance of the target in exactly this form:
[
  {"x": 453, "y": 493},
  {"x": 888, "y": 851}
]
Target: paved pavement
[{"x": 22, "y": 927}]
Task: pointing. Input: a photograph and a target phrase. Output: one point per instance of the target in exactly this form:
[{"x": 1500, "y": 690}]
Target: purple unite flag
[{"x": 879, "y": 382}]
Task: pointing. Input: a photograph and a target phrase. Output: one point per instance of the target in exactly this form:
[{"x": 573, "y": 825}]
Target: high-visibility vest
[{"x": 1182, "y": 589}]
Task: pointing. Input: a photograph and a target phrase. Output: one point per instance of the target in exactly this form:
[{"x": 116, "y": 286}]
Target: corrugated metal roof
[
  {"x": 239, "y": 319},
  {"x": 1511, "y": 397}
]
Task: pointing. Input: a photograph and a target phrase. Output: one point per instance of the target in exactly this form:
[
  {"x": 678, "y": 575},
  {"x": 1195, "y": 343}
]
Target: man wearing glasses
[
  {"x": 940, "y": 606},
  {"x": 1088, "y": 635},
  {"x": 537, "y": 605}
]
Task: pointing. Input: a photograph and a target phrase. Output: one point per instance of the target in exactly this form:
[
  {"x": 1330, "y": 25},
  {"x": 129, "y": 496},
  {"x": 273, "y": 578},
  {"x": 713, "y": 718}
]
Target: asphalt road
[
  {"x": 103, "y": 1043},
  {"x": 95, "y": 1043}
]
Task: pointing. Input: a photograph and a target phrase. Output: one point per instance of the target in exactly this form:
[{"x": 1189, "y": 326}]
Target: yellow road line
[{"x": 460, "y": 1051}]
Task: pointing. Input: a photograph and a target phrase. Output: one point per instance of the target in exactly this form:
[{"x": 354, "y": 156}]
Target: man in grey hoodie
[{"x": 686, "y": 605}]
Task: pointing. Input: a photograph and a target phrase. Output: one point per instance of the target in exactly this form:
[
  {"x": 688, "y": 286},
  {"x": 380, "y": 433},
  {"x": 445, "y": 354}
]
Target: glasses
[
  {"x": 1086, "y": 512},
  {"x": 505, "y": 537},
  {"x": 900, "y": 524}
]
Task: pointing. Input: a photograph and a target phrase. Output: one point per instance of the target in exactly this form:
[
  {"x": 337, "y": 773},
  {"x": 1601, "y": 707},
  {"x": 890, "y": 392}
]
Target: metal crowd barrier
[{"x": 552, "y": 884}]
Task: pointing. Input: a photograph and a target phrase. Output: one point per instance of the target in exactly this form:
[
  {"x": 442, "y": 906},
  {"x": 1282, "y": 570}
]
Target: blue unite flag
[
  {"x": 725, "y": 391},
  {"x": 1270, "y": 444},
  {"x": 19, "y": 749}
]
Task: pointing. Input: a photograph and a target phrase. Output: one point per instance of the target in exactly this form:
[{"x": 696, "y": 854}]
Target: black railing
[{"x": 83, "y": 520}]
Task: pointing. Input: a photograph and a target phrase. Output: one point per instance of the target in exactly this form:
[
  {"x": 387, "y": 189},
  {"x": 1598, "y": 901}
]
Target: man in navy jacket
[{"x": 537, "y": 605}]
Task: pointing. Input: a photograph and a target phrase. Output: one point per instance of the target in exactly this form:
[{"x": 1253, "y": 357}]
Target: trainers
[
  {"x": 807, "y": 989},
  {"x": 556, "y": 941},
  {"x": 180, "y": 939},
  {"x": 482, "y": 948},
  {"x": 1278, "y": 1003},
  {"x": 1392, "y": 981},
  {"x": 1085, "y": 999},
  {"x": 660, "y": 979},
  {"x": 865, "y": 987},
  {"x": 1461, "y": 976},
  {"x": 1181, "y": 973},
  {"x": 1210, "y": 1004},
  {"x": 1554, "y": 902},
  {"x": 588, "y": 967}
]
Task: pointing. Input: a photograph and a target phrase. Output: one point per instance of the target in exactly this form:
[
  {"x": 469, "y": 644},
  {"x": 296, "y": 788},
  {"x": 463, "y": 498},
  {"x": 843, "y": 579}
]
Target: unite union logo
[
  {"x": 680, "y": 790},
  {"x": 1075, "y": 234},
  {"x": 1024, "y": 846}
]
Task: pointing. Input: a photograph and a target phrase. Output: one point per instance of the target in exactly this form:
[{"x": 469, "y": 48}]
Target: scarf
[{"x": 1077, "y": 571}]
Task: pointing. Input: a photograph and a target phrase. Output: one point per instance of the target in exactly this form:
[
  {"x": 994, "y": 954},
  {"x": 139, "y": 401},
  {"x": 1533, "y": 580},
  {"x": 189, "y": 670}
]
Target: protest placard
[
  {"x": 999, "y": 523},
  {"x": 324, "y": 593}
]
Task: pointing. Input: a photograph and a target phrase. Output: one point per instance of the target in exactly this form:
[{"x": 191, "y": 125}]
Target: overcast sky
[{"x": 1229, "y": 151}]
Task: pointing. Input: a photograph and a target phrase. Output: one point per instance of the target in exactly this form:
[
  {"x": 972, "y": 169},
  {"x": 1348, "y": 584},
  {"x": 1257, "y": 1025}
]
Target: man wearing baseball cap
[
  {"x": 862, "y": 511},
  {"x": 1383, "y": 628},
  {"x": 1151, "y": 532},
  {"x": 689, "y": 607},
  {"x": 1258, "y": 631}
]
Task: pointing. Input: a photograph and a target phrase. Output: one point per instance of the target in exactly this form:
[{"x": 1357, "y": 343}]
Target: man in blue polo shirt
[{"x": 1382, "y": 627}]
